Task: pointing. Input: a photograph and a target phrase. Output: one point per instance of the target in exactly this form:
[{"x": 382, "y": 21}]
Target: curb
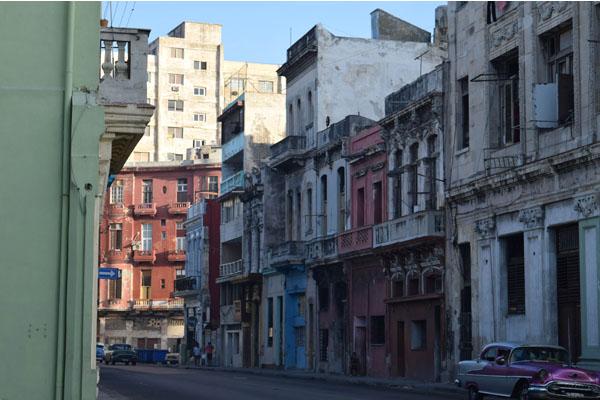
[{"x": 417, "y": 388}]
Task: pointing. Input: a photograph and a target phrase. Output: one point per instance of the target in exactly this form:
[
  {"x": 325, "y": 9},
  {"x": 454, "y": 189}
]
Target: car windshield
[
  {"x": 540, "y": 354},
  {"x": 120, "y": 347},
  {"x": 99, "y": 346}
]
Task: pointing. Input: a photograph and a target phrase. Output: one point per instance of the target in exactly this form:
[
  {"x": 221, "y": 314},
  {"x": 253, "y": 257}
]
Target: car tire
[
  {"x": 523, "y": 391},
  {"x": 474, "y": 394}
]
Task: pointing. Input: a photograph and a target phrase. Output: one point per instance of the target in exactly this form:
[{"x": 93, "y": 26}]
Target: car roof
[{"x": 513, "y": 345}]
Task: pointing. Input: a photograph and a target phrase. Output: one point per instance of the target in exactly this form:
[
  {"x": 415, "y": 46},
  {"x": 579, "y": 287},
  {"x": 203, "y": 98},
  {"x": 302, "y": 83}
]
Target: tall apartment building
[
  {"x": 189, "y": 82},
  {"x": 142, "y": 234}
]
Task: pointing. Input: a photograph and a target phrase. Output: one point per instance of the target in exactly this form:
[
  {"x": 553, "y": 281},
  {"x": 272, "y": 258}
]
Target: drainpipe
[{"x": 64, "y": 211}]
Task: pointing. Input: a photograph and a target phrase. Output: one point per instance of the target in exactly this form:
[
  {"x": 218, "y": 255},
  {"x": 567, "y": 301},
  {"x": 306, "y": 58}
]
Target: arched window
[
  {"x": 398, "y": 184},
  {"x": 341, "y": 223},
  {"x": 299, "y": 124},
  {"x": 291, "y": 120},
  {"x": 431, "y": 172},
  {"x": 433, "y": 282},
  {"x": 413, "y": 283},
  {"x": 311, "y": 108},
  {"x": 414, "y": 178},
  {"x": 324, "y": 205}
]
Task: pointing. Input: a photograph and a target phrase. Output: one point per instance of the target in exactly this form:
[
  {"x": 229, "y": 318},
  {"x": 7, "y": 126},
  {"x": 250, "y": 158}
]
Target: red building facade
[
  {"x": 142, "y": 234},
  {"x": 366, "y": 280}
]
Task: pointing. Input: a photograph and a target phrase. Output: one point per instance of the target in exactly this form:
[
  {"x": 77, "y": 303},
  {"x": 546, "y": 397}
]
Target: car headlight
[{"x": 542, "y": 375}]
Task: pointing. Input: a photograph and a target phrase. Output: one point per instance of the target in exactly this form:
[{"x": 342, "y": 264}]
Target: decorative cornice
[
  {"x": 586, "y": 206},
  {"x": 532, "y": 217},
  {"x": 486, "y": 228}
]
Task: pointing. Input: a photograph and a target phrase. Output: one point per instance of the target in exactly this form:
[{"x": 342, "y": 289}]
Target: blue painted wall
[{"x": 295, "y": 287}]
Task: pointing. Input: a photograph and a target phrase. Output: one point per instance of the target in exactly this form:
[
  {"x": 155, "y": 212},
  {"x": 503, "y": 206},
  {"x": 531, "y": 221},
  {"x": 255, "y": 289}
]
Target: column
[{"x": 486, "y": 298}]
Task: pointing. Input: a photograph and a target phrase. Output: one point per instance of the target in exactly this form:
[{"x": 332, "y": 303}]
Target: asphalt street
[{"x": 161, "y": 383}]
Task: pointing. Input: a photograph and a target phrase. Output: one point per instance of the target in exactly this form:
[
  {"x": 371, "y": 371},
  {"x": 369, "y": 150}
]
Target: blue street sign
[{"x": 109, "y": 273}]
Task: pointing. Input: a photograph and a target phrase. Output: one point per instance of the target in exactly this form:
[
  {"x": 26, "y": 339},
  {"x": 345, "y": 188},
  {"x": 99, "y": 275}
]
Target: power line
[
  {"x": 123, "y": 13},
  {"x": 128, "y": 18},
  {"x": 105, "y": 9}
]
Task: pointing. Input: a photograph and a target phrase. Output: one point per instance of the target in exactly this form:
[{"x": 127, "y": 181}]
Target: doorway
[
  {"x": 568, "y": 289},
  {"x": 401, "y": 364},
  {"x": 360, "y": 344}
]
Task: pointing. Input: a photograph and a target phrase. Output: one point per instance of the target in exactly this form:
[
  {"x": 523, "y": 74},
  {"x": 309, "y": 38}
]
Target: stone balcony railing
[
  {"x": 145, "y": 209},
  {"x": 355, "y": 240},
  {"x": 147, "y": 304},
  {"x": 408, "y": 228},
  {"x": 286, "y": 253},
  {"x": 115, "y": 256},
  {"x": 236, "y": 181},
  {"x": 117, "y": 210},
  {"x": 232, "y": 147},
  {"x": 231, "y": 268},
  {"x": 322, "y": 249},
  {"x": 176, "y": 256},
  {"x": 144, "y": 256},
  {"x": 179, "y": 207},
  {"x": 287, "y": 150}
]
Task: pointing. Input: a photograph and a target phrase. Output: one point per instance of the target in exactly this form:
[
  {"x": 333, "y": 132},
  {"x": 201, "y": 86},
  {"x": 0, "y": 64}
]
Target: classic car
[
  {"x": 120, "y": 352},
  {"x": 525, "y": 372}
]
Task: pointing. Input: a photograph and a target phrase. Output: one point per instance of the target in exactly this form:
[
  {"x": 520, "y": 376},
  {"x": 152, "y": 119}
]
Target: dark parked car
[
  {"x": 120, "y": 352},
  {"x": 99, "y": 352},
  {"x": 526, "y": 372}
]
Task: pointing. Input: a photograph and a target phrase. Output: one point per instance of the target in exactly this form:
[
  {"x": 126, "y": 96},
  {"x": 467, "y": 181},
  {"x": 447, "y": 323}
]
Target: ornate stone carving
[
  {"x": 505, "y": 33},
  {"x": 586, "y": 206},
  {"x": 486, "y": 227},
  {"x": 549, "y": 9},
  {"x": 532, "y": 217}
]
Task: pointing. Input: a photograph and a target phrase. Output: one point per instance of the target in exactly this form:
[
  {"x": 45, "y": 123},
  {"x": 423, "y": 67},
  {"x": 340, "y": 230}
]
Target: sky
[{"x": 260, "y": 31}]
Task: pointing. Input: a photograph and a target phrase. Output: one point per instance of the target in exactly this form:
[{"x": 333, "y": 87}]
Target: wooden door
[
  {"x": 401, "y": 364},
  {"x": 360, "y": 347}
]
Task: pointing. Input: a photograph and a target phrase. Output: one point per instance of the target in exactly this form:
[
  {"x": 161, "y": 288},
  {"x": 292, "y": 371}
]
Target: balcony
[
  {"x": 349, "y": 126},
  {"x": 122, "y": 90},
  {"x": 287, "y": 253},
  {"x": 147, "y": 304},
  {"x": 113, "y": 305},
  {"x": 355, "y": 240},
  {"x": 231, "y": 268},
  {"x": 288, "y": 152},
  {"x": 117, "y": 210},
  {"x": 421, "y": 225},
  {"x": 186, "y": 286},
  {"x": 144, "y": 256},
  {"x": 232, "y": 147},
  {"x": 301, "y": 50},
  {"x": 145, "y": 209},
  {"x": 115, "y": 256},
  {"x": 179, "y": 208},
  {"x": 322, "y": 250},
  {"x": 176, "y": 256},
  {"x": 236, "y": 181}
]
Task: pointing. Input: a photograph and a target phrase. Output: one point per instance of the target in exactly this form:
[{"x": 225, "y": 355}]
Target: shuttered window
[{"x": 515, "y": 272}]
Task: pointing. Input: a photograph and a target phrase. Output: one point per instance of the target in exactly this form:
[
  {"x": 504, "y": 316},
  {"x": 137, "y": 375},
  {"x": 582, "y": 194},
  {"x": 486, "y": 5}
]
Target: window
[
  {"x": 179, "y": 225},
  {"x": 341, "y": 223},
  {"x": 398, "y": 184},
  {"x": 298, "y": 215},
  {"x": 418, "y": 335},
  {"x": 213, "y": 184},
  {"x": 176, "y": 79},
  {"x": 299, "y": 123},
  {"x": 163, "y": 222},
  {"x": 289, "y": 214},
  {"x": 180, "y": 272},
  {"x": 309, "y": 211},
  {"x": 414, "y": 178},
  {"x": 200, "y": 65},
  {"x": 360, "y": 207},
  {"x": 147, "y": 191},
  {"x": 508, "y": 95},
  {"x": 323, "y": 344},
  {"x": 311, "y": 108},
  {"x": 116, "y": 236},
  {"x": 146, "y": 287},
  {"x": 198, "y": 143},
  {"x": 115, "y": 287},
  {"x": 176, "y": 52},
  {"x": 323, "y": 298},
  {"x": 463, "y": 86},
  {"x": 270, "y": 322},
  {"x": 180, "y": 243},
  {"x": 146, "y": 237},
  {"x": 558, "y": 49},
  {"x": 116, "y": 192},
  {"x": 236, "y": 86},
  {"x": 301, "y": 305},
  {"x": 175, "y": 105},
  {"x": 162, "y": 284},
  {"x": 300, "y": 332},
  {"x": 174, "y": 156},
  {"x": 413, "y": 285},
  {"x": 290, "y": 120},
  {"x": 397, "y": 288},
  {"x": 141, "y": 156},
  {"x": 265, "y": 86},
  {"x": 182, "y": 190},
  {"x": 431, "y": 173},
  {"x": 324, "y": 208},
  {"x": 433, "y": 283},
  {"x": 199, "y": 117},
  {"x": 515, "y": 272},
  {"x": 175, "y": 132},
  {"x": 378, "y": 329},
  {"x": 199, "y": 91},
  {"x": 377, "y": 203}
]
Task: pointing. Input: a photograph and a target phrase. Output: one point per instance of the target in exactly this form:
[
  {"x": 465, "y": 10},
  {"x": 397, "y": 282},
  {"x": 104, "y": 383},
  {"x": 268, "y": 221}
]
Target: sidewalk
[{"x": 400, "y": 384}]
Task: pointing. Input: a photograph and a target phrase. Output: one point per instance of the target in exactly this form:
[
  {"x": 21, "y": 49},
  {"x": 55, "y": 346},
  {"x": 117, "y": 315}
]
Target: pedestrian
[
  {"x": 209, "y": 352},
  {"x": 197, "y": 354}
]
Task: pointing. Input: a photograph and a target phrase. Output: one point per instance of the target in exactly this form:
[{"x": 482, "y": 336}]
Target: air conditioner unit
[{"x": 175, "y": 88}]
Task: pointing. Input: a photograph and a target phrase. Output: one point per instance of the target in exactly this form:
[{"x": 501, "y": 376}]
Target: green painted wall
[{"x": 48, "y": 154}]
